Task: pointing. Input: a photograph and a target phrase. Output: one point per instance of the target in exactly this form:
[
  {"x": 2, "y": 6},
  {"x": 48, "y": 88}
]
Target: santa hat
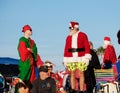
[
  {"x": 74, "y": 25},
  {"x": 107, "y": 40},
  {"x": 26, "y": 27}
]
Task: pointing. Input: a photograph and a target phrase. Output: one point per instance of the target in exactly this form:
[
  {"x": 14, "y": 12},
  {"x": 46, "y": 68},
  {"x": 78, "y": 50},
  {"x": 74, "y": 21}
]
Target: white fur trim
[
  {"x": 73, "y": 59},
  {"x": 77, "y": 59},
  {"x": 70, "y": 24},
  {"x": 74, "y": 44},
  {"x": 86, "y": 60},
  {"x": 88, "y": 56},
  {"x": 77, "y": 26}
]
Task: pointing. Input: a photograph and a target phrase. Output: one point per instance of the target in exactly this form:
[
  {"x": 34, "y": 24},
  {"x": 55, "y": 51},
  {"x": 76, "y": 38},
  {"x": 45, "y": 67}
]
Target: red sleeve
[
  {"x": 39, "y": 62},
  {"x": 110, "y": 54},
  {"x": 67, "y": 46},
  {"x": 106, "y": 54},
  {"x": 24, "y": 53},
  {"x": 86, "y": 43}
]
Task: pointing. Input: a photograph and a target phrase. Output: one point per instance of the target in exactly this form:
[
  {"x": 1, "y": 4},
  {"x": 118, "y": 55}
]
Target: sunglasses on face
[{"x": 71, "y": 28}]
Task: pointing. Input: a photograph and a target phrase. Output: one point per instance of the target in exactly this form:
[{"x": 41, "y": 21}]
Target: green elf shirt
[{"x": 28, "y": 59}]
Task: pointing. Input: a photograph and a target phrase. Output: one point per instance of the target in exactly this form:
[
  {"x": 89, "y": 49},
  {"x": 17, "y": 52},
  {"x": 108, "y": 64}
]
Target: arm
[
  {"x": 39, "y": 62},
  {"x": 23, "y": 51},
  {"x": 87, "y": 47},
  {"x": 34, "y": 49}
]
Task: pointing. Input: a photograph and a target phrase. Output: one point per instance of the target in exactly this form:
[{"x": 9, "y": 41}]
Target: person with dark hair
[
  {"x": 76, "y": 55},
  {"x": 44, "y": 84},
  {"x": 118, "y": 36},
  {"x": 21, "y": 87},
  {"x": 89, "y": 73},
  {"x": 118, "y": 59},
  {"x": 29, "y": 57}
]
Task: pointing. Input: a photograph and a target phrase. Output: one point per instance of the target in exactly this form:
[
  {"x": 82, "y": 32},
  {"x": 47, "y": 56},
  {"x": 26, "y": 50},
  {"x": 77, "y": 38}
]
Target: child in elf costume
[
  {"x": 76, "y": 54},
  {"x": 29, "y": 57}
]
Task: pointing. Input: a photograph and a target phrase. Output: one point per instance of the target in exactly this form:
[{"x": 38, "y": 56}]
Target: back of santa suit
[{"x": 109, "y": 54}]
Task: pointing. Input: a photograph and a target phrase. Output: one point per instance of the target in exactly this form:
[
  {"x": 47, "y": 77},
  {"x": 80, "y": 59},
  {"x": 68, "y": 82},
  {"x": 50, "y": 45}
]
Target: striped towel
[{"x": 104, "y": 75}]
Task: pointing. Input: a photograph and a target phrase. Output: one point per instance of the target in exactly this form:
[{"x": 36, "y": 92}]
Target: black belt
[{"x": 76, "y": 49}]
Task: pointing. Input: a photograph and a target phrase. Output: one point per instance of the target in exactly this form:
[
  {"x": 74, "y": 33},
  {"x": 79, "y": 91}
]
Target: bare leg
[
  {"x": 81, "y": 80},
  {"x": 72, "y": 79}
]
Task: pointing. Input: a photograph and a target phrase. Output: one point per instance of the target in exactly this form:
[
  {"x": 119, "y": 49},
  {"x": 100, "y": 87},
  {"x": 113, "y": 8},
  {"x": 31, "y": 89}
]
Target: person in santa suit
[
  {"x": 110, "y": 57},
  {"x": 29, "y": 57},
  {"x": 76, "y": 54}
]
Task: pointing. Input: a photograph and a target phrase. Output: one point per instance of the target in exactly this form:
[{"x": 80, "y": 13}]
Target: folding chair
[{"x": 105, "y": 81}]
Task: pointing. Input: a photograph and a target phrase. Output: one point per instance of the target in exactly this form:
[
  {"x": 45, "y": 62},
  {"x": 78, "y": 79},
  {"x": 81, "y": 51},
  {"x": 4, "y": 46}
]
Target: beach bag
[
  {"x": 111, "y": 87},
  {"x": 105, "y": 80}
]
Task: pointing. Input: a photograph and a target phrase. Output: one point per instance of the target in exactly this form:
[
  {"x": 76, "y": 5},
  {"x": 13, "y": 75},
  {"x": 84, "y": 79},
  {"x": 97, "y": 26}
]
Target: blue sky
[{"x": 50, "y": 19}]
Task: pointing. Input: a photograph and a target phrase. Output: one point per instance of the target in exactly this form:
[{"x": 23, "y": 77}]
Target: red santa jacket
[
  {"x": 110, "y": 54},
  {"x": 78, "y": 40}
]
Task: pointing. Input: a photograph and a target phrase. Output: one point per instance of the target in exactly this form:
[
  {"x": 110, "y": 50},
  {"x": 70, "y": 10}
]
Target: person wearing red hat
[
  {"x": 29, "y": 57},
  {"x": 109, "y": 54},
  {"x": 76, "y": 54}
]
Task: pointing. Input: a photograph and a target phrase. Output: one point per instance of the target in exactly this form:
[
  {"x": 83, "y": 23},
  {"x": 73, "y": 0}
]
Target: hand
[
  {"x": 65, "y": 64},
  {"x": 86, "y": 61},
  {"x": 30, "y": 50},
  {"x": 102, "y": 66}
]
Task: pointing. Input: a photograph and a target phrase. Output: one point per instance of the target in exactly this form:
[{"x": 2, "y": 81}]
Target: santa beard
[
  {"x": 106, "y": 43},
  {"x": 72, "y": 32}
]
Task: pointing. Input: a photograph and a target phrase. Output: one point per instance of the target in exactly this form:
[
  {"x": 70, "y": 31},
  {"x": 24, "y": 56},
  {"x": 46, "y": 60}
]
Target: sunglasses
[
  {"x": 50, "y": 66},
  {"x": 71, "y": 28}
]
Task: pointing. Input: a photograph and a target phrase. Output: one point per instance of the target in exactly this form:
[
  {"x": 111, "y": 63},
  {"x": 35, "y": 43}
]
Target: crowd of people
[{"x": 80, "y": 59}]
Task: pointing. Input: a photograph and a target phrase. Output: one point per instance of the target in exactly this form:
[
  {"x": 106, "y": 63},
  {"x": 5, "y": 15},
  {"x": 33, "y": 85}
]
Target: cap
[
  {"x": 74, "y": 25},
  {"x": 26, "y": 27},
  {"x": 107, "y": 38},
  {"x": 43, "y": 69},
  {"x": 49, "y": 63}
]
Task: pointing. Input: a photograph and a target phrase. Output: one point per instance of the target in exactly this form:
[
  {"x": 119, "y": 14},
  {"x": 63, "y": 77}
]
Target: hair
[
  {"x": 118, "y": 36},
  {"x": 18, "y": 86},
  {"x": 24, "y": 84},
  {"x": 91, "y": 44}
]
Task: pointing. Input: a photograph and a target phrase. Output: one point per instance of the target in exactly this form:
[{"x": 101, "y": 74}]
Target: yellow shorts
[{"x": 79, "y": 65}]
